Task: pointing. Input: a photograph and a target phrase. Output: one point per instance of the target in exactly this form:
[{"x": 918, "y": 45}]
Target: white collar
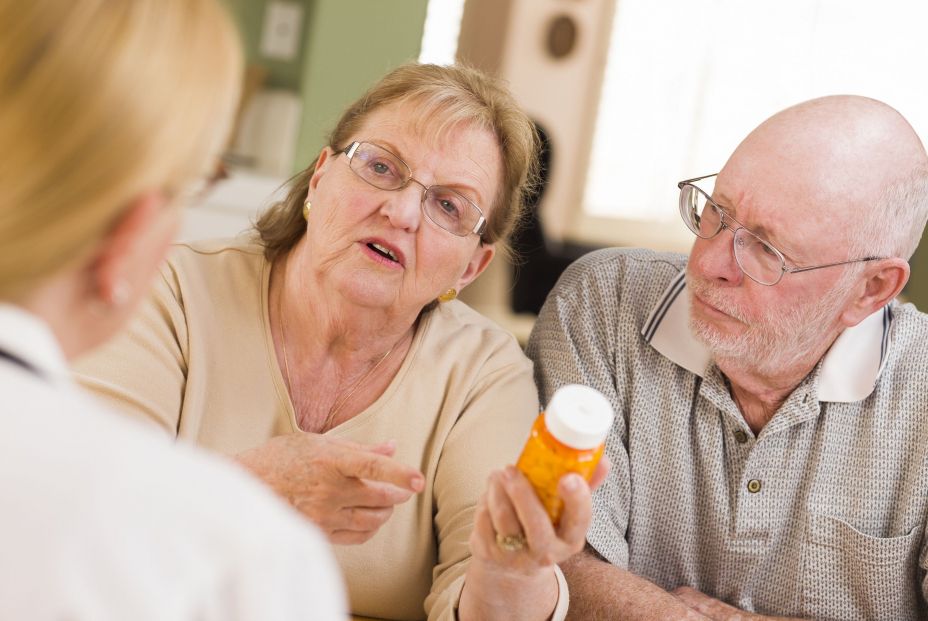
[
  {"x": 849, "y": 370},
  {"x": 27, "y": 339}
]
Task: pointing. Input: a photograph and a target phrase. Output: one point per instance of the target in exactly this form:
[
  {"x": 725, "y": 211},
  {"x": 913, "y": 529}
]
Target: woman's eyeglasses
[{"x": 443, "y": 206}]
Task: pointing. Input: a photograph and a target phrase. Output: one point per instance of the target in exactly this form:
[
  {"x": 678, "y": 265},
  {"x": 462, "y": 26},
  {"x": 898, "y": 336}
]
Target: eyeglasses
[
  {"x": 443, "y": 206},
  {"x": 759, "y": 261}
]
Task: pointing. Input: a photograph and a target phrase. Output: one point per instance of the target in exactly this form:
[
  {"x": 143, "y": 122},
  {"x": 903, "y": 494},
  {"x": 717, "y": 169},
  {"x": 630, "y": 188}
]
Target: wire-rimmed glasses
[
  {"x": 445, "y": 207},
  {"x": 759, "y": 261}
]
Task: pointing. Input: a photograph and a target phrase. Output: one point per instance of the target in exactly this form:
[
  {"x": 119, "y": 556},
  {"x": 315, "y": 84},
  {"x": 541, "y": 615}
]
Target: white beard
[{"x": 776, "y": 340}]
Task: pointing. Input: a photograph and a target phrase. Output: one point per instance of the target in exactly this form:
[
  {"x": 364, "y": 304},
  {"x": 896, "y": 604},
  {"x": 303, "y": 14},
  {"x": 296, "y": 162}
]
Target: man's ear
[
  {"x": 478, "y": 262},
  {"x": 883, "y": 280},
  {"x": 136, "y": 243}
]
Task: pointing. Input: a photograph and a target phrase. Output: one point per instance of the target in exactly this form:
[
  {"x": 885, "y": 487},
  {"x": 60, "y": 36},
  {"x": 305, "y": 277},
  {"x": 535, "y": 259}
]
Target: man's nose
[{"x": 714, "y": 258}]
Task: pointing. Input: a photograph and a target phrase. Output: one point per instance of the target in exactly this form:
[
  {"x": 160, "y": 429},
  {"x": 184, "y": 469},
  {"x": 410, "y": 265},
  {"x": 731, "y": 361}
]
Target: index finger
[{"x": 376, "y": 467}]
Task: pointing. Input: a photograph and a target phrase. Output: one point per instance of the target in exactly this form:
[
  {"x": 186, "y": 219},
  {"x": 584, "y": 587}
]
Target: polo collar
[
  {"x": 27, "y": 342},
  {"x": 849, "y": 369}
]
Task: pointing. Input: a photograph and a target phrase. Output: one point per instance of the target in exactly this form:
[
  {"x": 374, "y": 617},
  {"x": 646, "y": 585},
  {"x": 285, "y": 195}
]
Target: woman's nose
[
  {"x": 714, "y": 258},
  {"x": 403, "y": 207}
]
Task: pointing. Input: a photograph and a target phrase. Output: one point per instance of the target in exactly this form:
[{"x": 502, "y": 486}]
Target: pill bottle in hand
[{"x": 567, "y": 437}]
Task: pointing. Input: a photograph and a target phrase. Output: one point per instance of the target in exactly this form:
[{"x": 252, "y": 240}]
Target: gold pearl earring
[
  {"x": 448, "y": 295},
  {"x": 306, "y": 206}
]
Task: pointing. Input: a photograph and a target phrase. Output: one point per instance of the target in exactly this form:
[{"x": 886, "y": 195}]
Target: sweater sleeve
[{"x": 488, "y": 435}]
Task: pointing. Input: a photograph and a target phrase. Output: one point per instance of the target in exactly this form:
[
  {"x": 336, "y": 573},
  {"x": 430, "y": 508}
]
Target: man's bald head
[{"x": 856, "y": 159}]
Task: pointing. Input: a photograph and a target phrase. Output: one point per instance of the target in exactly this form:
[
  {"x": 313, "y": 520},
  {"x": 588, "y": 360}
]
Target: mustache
[{"x": 712, "y": 296}]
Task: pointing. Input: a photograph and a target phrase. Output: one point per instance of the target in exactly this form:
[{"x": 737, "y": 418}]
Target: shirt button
[
  {"x": 754, "y": 486},
  {"x": 740, "y": 436}
]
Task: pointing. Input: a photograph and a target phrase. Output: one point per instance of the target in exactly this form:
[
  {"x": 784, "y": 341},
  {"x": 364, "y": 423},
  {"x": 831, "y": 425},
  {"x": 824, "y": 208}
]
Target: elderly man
[{"x": 769, "y": 453}]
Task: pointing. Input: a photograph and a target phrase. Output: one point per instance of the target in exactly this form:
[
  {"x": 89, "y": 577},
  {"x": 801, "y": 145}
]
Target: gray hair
[{"x": 893, "y": 227}]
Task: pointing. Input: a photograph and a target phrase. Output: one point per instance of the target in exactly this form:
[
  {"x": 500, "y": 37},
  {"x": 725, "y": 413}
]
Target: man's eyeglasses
[
  {"x": 443, "y": 206},
  {"x": 759, "y": 261}
]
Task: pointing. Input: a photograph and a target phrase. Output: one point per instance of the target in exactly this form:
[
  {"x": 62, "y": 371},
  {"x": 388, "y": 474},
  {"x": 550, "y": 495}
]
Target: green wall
[
  {"x": 350, "y": 44},
  {"x": 916, "y": 291},
  {"x": 346, "y": 45},
  {"x": 249, "y": 16}
]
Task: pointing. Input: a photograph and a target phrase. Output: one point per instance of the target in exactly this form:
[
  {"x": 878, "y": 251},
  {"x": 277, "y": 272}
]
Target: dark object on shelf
[{"x": 538, "y": 261}]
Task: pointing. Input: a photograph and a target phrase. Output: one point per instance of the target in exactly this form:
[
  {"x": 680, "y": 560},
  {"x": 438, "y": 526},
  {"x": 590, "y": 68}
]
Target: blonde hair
[
  {"x": 102, "y": 100},
  {"x": 446, "y": 97}
]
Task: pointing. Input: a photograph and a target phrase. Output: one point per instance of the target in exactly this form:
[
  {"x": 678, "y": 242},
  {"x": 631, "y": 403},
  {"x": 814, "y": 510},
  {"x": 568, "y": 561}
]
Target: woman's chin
[{"x": 371, "y": 298}]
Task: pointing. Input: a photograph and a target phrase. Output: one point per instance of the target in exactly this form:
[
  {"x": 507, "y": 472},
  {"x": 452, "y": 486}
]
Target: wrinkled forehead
[
  {"x": 800, "y": 211},
  {"x": 433, "y": 120}
]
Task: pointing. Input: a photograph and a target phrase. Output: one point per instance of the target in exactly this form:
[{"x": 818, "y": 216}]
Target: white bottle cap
[{"x": 579, "y": 416}]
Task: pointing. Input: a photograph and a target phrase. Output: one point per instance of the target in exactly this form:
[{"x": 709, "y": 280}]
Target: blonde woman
[
  {"x": 327, "y": 353},
  {"x": 111, "y": 111}
]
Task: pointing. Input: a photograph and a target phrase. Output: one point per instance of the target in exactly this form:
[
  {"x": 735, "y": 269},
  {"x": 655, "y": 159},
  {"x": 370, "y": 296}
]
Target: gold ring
[{"x": 511, "y": 543}]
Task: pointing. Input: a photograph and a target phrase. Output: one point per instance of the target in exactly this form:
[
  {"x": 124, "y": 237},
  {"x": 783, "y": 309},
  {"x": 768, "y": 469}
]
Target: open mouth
[{"x": 384, "y": 252}]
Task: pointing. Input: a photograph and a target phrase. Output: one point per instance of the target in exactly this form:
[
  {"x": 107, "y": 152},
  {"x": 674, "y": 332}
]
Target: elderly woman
[
  {"x": 111, "y": 114},
  {"x": 328, "y": 354}
]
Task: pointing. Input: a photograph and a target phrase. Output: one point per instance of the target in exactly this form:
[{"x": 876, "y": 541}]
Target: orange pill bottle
[{"x": 567, "y": 437}]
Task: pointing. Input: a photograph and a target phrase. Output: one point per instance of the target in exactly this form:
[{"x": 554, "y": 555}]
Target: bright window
[
  {"x": 687, "y": 80},
  {"x": 440, "y": 35}
]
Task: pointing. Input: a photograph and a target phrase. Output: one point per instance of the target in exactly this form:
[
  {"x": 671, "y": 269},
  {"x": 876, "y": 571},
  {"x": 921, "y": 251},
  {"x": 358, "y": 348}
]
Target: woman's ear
[
  {"x": 326, "y": 156},
  {"x": 883, "y": 281},
  {"x": 477, "y": 264},
  {"x": 126, "y": 257}
]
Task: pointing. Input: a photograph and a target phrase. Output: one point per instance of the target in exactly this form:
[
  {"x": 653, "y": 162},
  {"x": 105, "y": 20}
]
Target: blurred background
[{"x": 631, "y": 95}]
